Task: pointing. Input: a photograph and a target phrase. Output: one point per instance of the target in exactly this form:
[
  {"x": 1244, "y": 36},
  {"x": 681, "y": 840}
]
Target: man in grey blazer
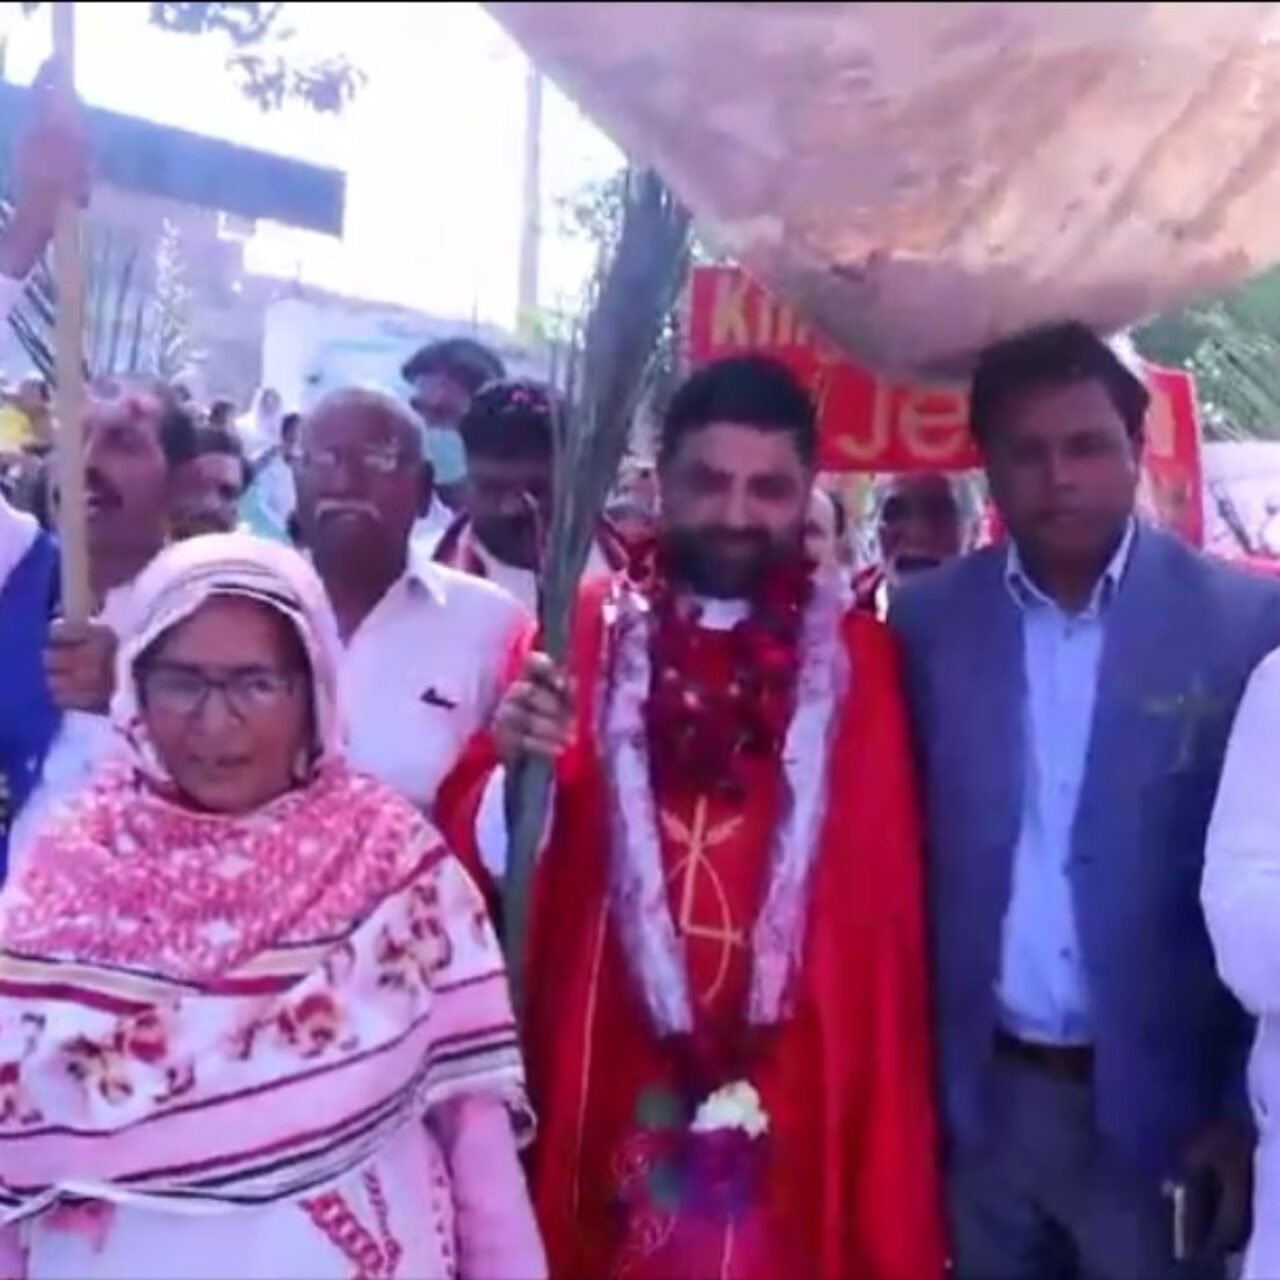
[{"x": 1072, "y": 693}]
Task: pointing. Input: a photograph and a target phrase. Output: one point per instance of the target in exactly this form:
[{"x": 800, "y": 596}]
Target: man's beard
[{"x": 727, "y": 564}]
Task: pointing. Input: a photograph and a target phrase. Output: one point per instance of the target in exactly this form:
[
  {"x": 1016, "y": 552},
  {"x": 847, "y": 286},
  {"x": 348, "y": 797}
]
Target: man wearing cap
[
  {"x": 507, "y": 436},
  {"x": 443, "y": 376}
]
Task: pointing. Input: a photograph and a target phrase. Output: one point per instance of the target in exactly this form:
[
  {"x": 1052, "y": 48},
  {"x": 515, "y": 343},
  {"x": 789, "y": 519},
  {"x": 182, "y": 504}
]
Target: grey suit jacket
[{"x": 1182, "y": 635}]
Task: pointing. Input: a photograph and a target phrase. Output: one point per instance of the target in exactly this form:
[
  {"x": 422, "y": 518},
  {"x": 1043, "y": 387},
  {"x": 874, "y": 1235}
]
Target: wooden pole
[{"x": 77, "y": 603}]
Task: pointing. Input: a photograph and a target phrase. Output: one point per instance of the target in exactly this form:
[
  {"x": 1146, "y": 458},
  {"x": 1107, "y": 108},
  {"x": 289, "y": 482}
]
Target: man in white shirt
[
  {"x": 428, "y": 650},
  {"x": 510, "y": 448}
]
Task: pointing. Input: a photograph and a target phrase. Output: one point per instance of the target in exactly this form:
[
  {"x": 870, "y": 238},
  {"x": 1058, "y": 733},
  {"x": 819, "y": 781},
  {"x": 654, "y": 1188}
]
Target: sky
[{"x": 432, "y": 147}]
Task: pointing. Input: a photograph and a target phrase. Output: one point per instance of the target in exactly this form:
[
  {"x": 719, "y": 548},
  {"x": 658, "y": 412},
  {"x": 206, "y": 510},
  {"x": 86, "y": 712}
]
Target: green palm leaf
[{"x": 604, "y": 379}]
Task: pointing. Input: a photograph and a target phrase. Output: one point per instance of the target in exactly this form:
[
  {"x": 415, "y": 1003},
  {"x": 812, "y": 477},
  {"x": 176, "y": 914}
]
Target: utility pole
[{"x": 531, "y": 211}]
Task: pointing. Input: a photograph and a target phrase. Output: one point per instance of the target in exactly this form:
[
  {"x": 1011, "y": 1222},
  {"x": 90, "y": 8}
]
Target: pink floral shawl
[{"x": 199, "y": 1007}]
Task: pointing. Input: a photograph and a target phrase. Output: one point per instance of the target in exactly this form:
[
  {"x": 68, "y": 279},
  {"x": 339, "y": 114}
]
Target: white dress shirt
[
  {"x": 430, "y": 528},
  {"x": 424, "y": 671},
  {"x": 1241, "y": 896},
  {"x": 1042, "y": 992}
]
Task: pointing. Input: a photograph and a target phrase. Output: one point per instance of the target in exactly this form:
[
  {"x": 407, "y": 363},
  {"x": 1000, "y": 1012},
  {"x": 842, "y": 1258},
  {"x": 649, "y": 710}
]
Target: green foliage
[
  {"x": 258, "y": 58},
  {"x": 1232, "y": 347},
  {"x": 175, "y": 353},
  {"x": 594, "y": 213},
  {"x": 259, "y": 61},
  {"x": 136, "y": 308},
  {"x": 604, "y": 379}
]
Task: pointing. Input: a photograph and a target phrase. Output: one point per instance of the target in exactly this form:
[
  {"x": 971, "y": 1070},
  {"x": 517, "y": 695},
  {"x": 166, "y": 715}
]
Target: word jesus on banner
[{"x": 876, "y": 424}]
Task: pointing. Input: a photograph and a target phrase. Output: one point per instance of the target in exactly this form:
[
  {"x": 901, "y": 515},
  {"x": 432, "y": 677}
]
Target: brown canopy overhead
[{"x": 920, "y": 178}]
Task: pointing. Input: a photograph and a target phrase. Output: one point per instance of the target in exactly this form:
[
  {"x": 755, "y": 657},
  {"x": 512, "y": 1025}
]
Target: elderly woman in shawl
[{"x": 253, "y": 1019}]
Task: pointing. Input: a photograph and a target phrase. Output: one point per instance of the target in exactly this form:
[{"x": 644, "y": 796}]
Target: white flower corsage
[{"x": 732, "y": 1106}]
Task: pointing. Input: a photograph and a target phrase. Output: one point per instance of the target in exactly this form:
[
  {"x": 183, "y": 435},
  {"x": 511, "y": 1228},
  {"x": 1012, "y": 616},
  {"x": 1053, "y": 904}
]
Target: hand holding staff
[{"x": 50, "y": 168}]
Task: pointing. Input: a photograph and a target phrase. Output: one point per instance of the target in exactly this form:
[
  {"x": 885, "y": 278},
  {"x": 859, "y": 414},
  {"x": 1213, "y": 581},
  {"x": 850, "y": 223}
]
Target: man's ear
[{"x": 427, "y": 488}]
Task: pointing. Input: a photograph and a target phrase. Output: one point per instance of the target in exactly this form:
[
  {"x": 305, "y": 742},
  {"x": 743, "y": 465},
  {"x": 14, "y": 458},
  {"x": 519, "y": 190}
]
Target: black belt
[{"x": 1073, "y": 1062}]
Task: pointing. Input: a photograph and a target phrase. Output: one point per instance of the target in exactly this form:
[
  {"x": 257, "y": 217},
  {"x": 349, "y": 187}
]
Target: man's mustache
[
  {"x": 327, "y": 507},
  {"x": 737, "y": 539}
]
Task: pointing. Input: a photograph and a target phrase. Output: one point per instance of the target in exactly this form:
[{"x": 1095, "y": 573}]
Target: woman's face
[{"x": 226, "y": 698}]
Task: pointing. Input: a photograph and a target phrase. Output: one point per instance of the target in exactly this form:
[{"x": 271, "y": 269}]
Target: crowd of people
[{"x": 883, "y": 924}]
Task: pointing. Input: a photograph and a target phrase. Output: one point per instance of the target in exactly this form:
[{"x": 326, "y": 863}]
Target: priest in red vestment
[{"x": 727, "y": 1023}]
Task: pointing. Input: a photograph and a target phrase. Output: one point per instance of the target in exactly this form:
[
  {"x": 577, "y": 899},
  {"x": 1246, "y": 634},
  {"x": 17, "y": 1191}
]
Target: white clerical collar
[{"x": 720, "y": 615}]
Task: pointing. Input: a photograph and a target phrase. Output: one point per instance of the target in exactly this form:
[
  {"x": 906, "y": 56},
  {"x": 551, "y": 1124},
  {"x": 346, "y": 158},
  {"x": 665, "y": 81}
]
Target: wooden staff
[{"x": 77, "y": 603}]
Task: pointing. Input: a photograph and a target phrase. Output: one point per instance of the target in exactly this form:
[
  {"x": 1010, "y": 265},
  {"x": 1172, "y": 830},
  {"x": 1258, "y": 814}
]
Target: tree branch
[{"x": 258, "y": 59}]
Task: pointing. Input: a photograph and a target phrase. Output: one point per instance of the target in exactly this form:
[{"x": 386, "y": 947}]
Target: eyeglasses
[
  {"x": 247, "y": 691},
  {"x": 373, "y": 460}
]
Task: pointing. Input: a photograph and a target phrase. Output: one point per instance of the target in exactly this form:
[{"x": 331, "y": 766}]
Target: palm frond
[
  {"x": 604, "y": 377},
  {"x": 137, "y": 306}
]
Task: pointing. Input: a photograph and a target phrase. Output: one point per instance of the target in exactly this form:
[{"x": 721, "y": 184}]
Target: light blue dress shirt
[{"x": 1042, "y": 991}]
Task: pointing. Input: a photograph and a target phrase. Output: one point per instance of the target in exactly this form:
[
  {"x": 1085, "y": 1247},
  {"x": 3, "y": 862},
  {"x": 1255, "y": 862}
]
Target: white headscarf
[{"x": 187, "y": 574}]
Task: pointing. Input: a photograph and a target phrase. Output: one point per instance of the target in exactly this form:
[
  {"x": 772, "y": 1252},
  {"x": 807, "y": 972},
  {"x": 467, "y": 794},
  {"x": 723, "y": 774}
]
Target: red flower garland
[{"x": 701, "y": 733}]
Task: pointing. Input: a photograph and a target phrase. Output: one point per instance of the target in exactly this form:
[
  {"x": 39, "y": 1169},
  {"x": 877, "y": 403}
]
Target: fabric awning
[{"x": 919, "y": 178}]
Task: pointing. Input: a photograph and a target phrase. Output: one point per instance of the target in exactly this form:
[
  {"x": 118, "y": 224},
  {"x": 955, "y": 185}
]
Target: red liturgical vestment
[{"x": 844, "y": 1180}]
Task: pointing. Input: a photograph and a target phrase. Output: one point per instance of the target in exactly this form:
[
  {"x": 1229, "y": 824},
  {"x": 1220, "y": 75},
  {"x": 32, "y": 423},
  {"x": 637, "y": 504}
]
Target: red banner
[{"x": 871, "y": 423}]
